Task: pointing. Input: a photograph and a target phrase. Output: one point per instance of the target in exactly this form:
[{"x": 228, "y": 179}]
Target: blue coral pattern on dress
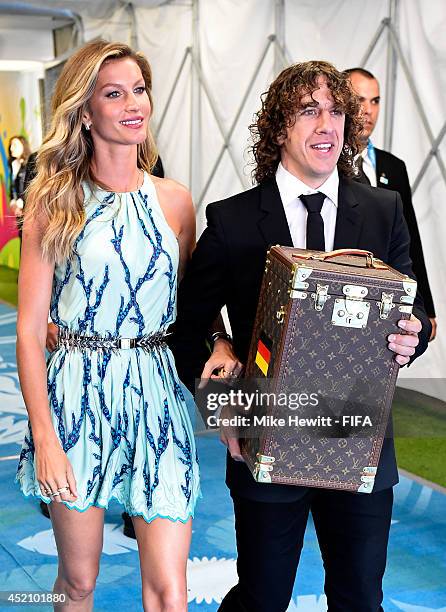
[{"x": 120, "y": 416}]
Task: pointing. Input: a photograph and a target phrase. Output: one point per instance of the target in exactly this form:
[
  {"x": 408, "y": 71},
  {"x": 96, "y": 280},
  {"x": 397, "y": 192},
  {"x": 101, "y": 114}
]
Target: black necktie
[
  {"x": 360, "y": 175},
  {"x": 315, "y": 223}
]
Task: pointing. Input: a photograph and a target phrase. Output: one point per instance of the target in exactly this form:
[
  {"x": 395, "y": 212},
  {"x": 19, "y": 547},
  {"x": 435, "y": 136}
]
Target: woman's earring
[{"x": 87, "y": 126}]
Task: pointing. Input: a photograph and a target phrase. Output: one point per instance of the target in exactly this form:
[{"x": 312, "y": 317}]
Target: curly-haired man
[{"x": 305, "y": 138}]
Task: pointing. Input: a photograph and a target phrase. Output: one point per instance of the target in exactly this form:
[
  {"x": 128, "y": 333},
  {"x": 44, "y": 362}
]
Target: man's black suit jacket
[
  {"x": 227, "y": 268},
  {"x": 391, "y": 174}
]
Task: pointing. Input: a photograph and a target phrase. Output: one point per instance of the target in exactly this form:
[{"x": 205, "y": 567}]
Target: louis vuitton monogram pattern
[{"x": 350, "y": 369}]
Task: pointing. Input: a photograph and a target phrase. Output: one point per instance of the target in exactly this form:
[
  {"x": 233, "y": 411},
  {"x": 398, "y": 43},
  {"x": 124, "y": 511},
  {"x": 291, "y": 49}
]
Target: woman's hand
[
  {"x": 52, "y": 334},
  {"x": 54, "y": 472}
]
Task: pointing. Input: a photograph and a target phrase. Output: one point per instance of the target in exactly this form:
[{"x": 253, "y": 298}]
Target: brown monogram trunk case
[{"x": 321, "y": 327}]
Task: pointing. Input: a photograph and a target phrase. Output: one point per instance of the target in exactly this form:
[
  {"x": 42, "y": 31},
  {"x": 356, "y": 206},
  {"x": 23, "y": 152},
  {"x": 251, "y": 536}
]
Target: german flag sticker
[{"x": 263, "y": 355}]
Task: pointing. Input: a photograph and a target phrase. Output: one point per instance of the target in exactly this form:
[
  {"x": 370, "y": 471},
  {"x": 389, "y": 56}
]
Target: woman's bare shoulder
[
  {"x": 170, "y": 187},
  {"x": 174, "y": 195}
]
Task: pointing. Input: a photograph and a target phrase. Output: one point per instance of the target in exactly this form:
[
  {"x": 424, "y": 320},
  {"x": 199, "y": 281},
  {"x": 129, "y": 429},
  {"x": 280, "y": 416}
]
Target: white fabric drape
[{"x": 229, "y": 37}]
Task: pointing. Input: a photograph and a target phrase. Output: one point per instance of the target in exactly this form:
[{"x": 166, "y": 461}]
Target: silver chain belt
[{"x": 72, "y": 340}]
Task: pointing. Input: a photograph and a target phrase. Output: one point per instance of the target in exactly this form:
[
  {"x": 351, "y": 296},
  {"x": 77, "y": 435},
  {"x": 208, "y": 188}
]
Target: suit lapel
[
  {"x": 273, "y": 224},
  {"x": 348, "y": 218},
  {"x": 382, "y": 173}
]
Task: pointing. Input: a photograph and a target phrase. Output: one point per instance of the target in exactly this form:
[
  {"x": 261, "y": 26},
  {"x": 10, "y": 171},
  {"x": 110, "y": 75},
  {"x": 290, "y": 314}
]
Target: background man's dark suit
[
  {"x": 227, "y": 268},
  {"x": 393, "y": 169}
]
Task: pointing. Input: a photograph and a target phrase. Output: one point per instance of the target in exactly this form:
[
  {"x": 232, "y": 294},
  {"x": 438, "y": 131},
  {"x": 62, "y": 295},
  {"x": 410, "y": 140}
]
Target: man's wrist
[{"x": 219, "y": 335}]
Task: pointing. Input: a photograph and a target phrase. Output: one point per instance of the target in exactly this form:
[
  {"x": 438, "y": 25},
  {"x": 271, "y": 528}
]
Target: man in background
[{"x": 382, "y": 169}]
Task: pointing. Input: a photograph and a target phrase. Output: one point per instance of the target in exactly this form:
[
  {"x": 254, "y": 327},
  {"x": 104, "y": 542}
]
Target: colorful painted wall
[{"x": 19, "y": 114}]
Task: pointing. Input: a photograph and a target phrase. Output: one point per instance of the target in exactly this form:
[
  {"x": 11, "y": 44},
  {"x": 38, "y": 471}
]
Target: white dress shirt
[
  {"x": 368, "y": 167},
  {"x": 290, "y": 188}
]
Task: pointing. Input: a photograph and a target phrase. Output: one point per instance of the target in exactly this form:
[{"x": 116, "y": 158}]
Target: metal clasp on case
[
  {"x": 385, "y": 305},
  {"x": 298, "y": 283},
  {"x": 280, "y": 315},
  {"x": 263, "y": 467},
  {"x": 355, "y": 292},
  {"x": 348, "y": 313},
  {"x": 351, "y": 311},
  {"x": 320, "y": 297},
  {"x": 410, "y": 289},
  {"x": 367, "y": 479}
]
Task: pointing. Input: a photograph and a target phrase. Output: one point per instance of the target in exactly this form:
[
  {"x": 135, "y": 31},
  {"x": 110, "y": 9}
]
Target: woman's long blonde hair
[{"x": 56, "y": 196}]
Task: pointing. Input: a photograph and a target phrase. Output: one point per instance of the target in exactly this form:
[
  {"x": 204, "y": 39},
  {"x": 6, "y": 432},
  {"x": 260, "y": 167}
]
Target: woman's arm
[
  {"x": 35, "y": 282},
  {"x": 187, "y": 235},
  {"x": 176, "y": 204}
]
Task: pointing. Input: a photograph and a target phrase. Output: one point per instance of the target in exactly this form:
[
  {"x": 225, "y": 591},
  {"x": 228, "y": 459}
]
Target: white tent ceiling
[
  {"x": 228, "y": 38},
  {"x": 95, "y": 9}
]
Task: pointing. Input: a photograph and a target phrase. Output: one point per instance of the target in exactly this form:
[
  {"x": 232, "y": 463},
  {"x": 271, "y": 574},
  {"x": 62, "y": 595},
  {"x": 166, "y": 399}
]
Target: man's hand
[
  {"x": 229, "y": 367},
  {"x": 434, "y": 329},
  {"x": 403, "y": 345},
  {"x": 52, "y": 333},
  {"x": 231, "y": 443},
  {"x": 228, "y": 436},
  {"x": 224, "y": 360}
]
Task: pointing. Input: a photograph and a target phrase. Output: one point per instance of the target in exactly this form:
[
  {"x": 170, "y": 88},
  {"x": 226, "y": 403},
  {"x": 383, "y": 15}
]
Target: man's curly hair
[{"x": 281, "y": 103}]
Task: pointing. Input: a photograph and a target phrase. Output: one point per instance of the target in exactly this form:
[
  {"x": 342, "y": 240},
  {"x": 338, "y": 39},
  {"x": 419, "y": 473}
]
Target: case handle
[{"x": 371, "y": 262}]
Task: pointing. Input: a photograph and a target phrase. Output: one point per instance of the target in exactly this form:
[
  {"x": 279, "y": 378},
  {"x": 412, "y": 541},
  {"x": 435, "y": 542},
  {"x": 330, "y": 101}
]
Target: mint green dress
[{"x": 120, "y": 415}]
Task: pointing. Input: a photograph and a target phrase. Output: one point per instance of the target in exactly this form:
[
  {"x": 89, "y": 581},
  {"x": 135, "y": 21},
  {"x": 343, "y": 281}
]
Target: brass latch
[
  {"x": 385, "y": 305},
  {"x": 320, "y": 297},
  {"x": 280, "y": 315}
]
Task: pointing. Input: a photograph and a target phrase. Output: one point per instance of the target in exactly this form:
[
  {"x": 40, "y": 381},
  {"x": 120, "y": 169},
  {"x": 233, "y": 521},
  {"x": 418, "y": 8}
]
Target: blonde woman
[{"x": 102, "y": 244}]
